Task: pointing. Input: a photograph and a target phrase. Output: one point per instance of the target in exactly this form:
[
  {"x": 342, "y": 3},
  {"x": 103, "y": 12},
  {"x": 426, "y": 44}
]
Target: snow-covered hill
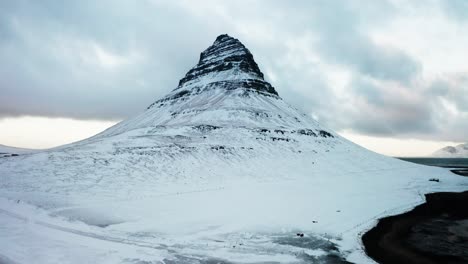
[
  {"x": 459, "y": 151},
  {"x": 8, "y": 151},
  {"x": 221, "y": 169}
]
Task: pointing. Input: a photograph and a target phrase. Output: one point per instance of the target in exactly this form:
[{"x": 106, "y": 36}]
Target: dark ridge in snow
[{"x": 255, "y": 86}]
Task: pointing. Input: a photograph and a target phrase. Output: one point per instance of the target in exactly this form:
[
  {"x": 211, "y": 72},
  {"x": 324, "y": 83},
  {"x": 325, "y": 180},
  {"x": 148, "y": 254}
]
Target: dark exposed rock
[
  {"x": 325, "y": 134},
  {"x": 306, "y": 132},
  {"x": 263, "y": 130},
  {"x": 261, "y": 114},
  {"x": 226, "y": 55},
  {"x": 249, "y": 86},
  {"x": 280, "y": 139},
  {"x": 279, "y": 131},
  {"x": 205, "y": 128},
  {"x": 218, "y": 147}
]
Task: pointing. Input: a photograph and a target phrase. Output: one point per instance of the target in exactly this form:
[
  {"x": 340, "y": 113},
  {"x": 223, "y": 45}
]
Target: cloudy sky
[{"x": 390, "y": 75}]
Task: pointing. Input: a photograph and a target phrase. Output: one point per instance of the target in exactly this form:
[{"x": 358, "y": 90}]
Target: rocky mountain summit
[
  {"x": 227, "y": 59},
  {"x": 227, "y": 64}
]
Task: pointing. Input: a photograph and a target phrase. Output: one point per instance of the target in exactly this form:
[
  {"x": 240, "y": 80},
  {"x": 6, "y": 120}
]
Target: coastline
[
  {"x": 463, "y": 172},
  {"x": 430, "y": 233}
]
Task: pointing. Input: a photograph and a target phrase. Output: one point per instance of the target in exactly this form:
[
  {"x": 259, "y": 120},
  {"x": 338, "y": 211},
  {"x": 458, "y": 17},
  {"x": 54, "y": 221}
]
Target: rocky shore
[{"x": 433, "y": 232}]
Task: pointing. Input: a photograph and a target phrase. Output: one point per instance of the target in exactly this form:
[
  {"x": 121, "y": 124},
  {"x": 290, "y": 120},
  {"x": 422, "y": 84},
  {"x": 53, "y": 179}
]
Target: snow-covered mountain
[
  {"x": 226, "y": 89},
  {"x": 219, "y": 170},
  {"x": 459, "y": 151}
]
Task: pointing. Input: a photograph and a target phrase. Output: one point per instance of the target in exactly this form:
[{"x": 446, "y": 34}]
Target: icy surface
[{"x": 226, "y": 172}]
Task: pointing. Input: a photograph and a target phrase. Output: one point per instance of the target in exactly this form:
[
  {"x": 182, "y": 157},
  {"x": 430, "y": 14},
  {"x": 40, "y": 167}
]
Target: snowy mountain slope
[
  {"x": 459, "y": 151},
  {"x": 7, "y": 150},
  {"x": 219, "y": 169}
]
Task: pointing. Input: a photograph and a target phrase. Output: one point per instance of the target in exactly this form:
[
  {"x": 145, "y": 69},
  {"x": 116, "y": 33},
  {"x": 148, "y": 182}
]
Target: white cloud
[{"x": 43, "y": 132}]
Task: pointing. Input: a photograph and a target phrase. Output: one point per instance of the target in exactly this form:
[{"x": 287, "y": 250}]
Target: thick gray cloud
[
  {"x": 92, "y": 59},
  {"x": 342, "y": 41},
  {"x": 387, "y": 109},
  {"x": 110, "y": 59}
]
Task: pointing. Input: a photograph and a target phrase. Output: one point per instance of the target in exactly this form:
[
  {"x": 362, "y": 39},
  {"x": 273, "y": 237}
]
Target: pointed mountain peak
[
  {"x": 227, "y": 60},
  {"x": 224, "y": 37},
  {"x": 225, "y": 47},
  {"x": 226, "y": 67}
]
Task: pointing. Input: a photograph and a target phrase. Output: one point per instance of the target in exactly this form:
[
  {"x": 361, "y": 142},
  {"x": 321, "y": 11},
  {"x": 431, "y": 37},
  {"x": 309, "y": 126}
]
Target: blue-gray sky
[{"x": 393, "y": 69}]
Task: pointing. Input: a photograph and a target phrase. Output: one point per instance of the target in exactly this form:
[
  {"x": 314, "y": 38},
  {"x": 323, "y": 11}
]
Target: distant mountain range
[{"x": 459, "y": 151}]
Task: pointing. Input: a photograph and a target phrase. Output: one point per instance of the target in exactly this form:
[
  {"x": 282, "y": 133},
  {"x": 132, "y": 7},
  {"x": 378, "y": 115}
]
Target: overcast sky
[{"x": 395, "y": 70}]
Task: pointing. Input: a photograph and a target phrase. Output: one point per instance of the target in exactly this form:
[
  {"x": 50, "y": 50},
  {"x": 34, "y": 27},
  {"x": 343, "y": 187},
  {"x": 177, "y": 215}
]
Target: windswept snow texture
[
  {"x": 221, "y": 170},
  {"x": 459, "y": 151},
  {"x": 7, "y": 151}
]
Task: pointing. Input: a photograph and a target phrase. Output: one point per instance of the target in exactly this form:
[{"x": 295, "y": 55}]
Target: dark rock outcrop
[
  {"x": 226, "y": 53},
  {"x": 226, "y": 64}
]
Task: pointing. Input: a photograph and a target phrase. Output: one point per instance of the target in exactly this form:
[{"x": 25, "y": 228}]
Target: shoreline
[
  {"x": 461, "y": 172},
  {"x": 430, "y": 233},
  {"x": 450, "y": 163}
]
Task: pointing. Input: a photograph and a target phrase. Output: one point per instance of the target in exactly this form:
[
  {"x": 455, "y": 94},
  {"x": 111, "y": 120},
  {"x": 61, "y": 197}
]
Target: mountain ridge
[{"x": 458, "y": 151}]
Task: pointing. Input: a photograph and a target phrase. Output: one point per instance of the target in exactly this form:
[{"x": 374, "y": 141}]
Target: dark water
[
  {"x": 435, "y": 232},
  {"x": 442, "y": 236},
  {"x": 440, "y": 162}
]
